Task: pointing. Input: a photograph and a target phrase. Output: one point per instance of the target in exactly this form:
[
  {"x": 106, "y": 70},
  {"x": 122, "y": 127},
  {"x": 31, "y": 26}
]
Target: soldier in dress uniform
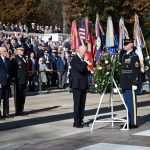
[
  {"x": 129, "y": 80},
  {"x": 19, "y": 78}
]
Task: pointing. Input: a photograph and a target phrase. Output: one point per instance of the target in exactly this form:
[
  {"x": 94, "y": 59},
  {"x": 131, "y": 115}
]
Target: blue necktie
[{"x": 5, "y": 63}]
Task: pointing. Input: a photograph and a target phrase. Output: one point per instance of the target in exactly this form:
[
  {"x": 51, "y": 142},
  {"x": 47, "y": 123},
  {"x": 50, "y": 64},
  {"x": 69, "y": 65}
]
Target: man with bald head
[
  {"x": 79, "y": 74},
  {"x": 4, "y": 82}
]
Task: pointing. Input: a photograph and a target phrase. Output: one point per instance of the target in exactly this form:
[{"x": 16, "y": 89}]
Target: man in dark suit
[
  {"x": 19, "y": 77},
  {"x": 53, "y": 59},
  {"x": 27, "y": 47},
  {"x": 62, "y": 67},
  {"x": 4, "y": 82},
  {"x": 79, "y": 74},
  {"x": 33, "y": 67}
]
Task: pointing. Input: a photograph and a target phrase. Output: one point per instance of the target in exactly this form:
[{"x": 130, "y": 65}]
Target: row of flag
[{"x": 82, "y": 35}]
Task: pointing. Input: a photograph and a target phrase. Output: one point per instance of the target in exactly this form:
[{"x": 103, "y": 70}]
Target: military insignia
[
  {"x": 128, "y": 61},
  {"x": 136, "y": 64},
  {"x": 146, "y": 68},
  {"x": 19, "y": 62}
]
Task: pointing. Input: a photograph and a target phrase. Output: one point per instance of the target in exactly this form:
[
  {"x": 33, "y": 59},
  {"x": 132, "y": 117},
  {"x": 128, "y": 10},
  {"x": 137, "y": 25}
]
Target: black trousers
[
  {"x": 32, "y": 82},
  {"x": 54, "y": 78},
  {"x": 4, "y": 94},
  {"x": 20, "y": 97},
  {"x": 79, "y": 97}
]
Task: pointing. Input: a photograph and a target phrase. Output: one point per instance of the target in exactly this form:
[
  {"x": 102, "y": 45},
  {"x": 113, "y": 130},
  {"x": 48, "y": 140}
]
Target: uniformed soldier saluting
[
  {"x": 19, "y": 78},
  {"x": 129, "y": 80}
]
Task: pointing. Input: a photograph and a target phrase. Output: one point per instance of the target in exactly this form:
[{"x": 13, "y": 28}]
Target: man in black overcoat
[
  {"x": 19, "y": 77},
  {"x": 79, "y": 74}
]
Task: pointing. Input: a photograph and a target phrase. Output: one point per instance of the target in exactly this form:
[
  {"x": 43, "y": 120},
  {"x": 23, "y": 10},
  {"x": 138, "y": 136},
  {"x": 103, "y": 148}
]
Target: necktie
[{"x": 5, "y": 63}]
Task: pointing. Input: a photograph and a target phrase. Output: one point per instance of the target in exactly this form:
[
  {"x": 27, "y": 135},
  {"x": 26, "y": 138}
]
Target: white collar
[
  {"x": 79, "y": 56},
  {"x": 3, "y": 57},
  {"x": 129, "y": 52}
]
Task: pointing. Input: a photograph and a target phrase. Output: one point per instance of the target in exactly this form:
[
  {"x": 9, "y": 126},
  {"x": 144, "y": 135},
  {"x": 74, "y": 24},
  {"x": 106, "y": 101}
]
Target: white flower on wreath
[
  {"x": 96, "y": 85},
  {"x": 106, "y": 61},
  {"x": 100, "y": 68},
  {"x": 107, "y": 73}
]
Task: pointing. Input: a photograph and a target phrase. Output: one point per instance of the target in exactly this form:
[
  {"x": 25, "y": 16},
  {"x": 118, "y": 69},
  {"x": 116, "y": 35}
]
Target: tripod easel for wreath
[{"x": 113, "y": 119}]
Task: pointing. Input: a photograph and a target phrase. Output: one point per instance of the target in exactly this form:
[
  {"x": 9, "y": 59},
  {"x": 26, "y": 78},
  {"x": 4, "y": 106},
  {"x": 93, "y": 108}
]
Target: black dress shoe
[
  {"x": 132, "y": 126},
  {"x": 6, "y": 116},
  {"x": 84, "y": 124},
  {"x": 2, "y": 118},
  {"x": 77, "y": 125},
  {"x": 21, "y": 114}
]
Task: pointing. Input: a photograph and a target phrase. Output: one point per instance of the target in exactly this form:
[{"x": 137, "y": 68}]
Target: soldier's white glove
[{"x": 134, "y": 87}]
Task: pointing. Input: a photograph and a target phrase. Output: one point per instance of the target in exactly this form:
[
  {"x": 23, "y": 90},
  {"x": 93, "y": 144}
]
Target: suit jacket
[
  {"x": 34, "y": 48},
  {"x": 27, "y": 48},
  {"x": 18, "y": 70},
  {"x": 79, "y": 73},
  {"x": 4, "y": 71},
  {"x": 33, "y": 66},
  {"x": 62, "y": 64}
]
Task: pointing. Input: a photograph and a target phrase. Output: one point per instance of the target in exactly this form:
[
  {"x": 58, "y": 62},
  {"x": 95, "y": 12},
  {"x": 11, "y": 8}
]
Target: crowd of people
[
  {"x": 33, "y": 29},
  {"x": 50, "y": 56},
  {"x": 30, "y": 61}
]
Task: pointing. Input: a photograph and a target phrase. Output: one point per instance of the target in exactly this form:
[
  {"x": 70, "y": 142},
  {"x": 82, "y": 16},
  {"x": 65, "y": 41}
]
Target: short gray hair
[{"x": 2, "y": 48}]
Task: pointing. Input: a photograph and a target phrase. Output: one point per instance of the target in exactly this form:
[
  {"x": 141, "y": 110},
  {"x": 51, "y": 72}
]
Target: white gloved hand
[{"x": 134, "y": 87}]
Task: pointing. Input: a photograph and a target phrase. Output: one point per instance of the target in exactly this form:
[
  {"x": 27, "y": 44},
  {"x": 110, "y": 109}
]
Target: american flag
[{"x": 82, "y": 30}]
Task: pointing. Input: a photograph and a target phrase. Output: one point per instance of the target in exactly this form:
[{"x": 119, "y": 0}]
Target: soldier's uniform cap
[{"x": 127, "y": 41}]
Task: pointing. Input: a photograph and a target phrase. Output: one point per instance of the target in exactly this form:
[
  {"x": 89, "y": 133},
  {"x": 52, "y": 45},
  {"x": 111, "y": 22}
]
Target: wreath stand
[{"x": 113, "y": 119}]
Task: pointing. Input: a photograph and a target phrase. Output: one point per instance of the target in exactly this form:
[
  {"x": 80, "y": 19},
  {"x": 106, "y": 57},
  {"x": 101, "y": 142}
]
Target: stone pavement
[{"x": 49, "y": 125}]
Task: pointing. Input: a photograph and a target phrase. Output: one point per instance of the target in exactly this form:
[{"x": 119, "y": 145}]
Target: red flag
[
  {"x": 90, "y": 43},
  {"x": 74, "y": 36}
]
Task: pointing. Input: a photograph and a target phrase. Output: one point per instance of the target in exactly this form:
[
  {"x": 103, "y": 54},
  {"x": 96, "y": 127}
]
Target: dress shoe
[
  {"x": 2, "y": 118},
  {"x": 84, "y": 124},
  {"x": 130, "y": 126},
  {"x": 21, "y": 114},
  {"x": 77, "y": 125},
  {"x": 6, "y": 116}
]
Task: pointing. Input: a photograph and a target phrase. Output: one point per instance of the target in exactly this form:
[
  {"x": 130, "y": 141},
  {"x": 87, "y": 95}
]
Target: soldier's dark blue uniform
[
  {"x": 19, "y": 77},
  {"x": 129, "y": 79}
]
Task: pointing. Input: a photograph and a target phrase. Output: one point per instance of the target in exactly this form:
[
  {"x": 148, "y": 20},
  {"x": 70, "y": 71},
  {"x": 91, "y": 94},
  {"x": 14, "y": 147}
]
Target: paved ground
[{"x": 49, "y": 125}]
